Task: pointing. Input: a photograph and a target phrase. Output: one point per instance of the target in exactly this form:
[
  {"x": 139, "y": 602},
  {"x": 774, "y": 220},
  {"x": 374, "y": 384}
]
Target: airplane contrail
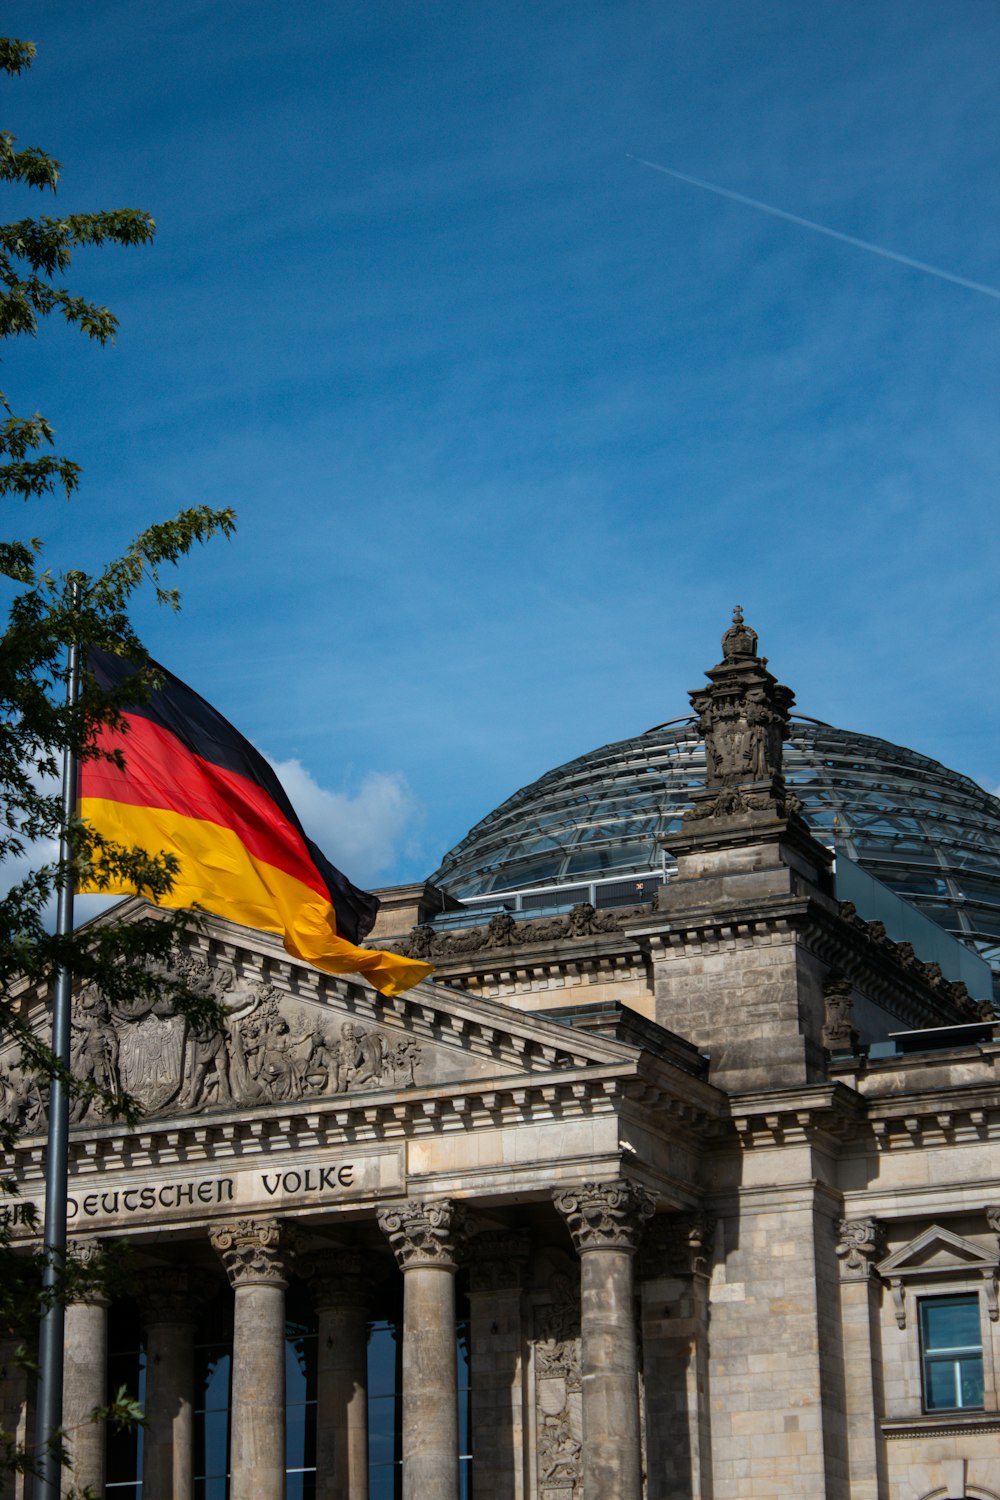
[{"x": 833, "y": 234}]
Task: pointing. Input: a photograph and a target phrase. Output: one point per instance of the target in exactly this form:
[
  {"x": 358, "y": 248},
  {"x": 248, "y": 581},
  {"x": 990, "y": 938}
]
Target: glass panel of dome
[{"x": 977, "y": 891}]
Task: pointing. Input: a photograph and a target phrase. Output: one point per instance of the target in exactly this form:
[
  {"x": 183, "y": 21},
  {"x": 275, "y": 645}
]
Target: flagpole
[{"x": 50, "y": 1339}]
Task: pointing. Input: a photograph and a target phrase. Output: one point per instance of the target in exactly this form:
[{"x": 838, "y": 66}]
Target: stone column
[
  {"x": 861, "y": 1243},
  {"x": 673, "y": 1268},
  {"x": 605, "y": 1220},
  {"x": 85, "y": 1377},
  {"x": 168, "y": 1440},
  {"x": 339, "y": 1286},
  {"x": 17, "y": 1407},
  {"x": 250, "y": 1250},
  {"x": 426, "y": 1240},
  {"x": 497, "y": 1262}
]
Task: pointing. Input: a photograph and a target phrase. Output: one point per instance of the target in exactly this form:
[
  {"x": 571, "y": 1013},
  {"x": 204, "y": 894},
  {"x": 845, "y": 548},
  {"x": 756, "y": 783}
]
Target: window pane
[
  {"x": 970, "y": 1374},
  {"x": 941, "y": 1390},
  {"x": 950, "y": 1335},
  {"x": 951, "y": 1323}
]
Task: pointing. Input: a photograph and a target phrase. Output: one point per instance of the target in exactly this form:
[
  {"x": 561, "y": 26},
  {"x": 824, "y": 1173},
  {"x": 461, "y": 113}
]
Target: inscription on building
[{"x": 333, "y": 1181}]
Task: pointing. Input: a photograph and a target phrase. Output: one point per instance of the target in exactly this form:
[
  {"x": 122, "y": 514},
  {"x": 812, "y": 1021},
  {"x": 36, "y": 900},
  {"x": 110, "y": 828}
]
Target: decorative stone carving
[
  {"x": 266, "y": 1052},
  {"x": 605, "y": 1215},
  {"x": 558, "y": 1409},
  {"x": 839, "y": 1032},
  {"x": 85, "y": 1268},
  {"x": 505, "y": 931},
  {"x": 860, "y": 1245},
  {"x": 743, "y": 718},
  {"x": 425, "y": 1234},
  {"x": 24, "y": 1099},
  {"x": 953, "y": 991},
  {"x": 251, "y": 1252},
  {"x": 497, "y": 1260},
  {"x": 677, "y": 1245}
]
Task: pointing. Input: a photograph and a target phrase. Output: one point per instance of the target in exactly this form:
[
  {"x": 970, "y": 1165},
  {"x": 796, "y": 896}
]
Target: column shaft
[
  {"x": 84, "y": 1389},
  {"x": 606, "y": 1220},
  {"x": 497, "y": 1262},
  {"x": 609, "y": 1376},
  {"x": 425, "y": 1238},
  {"x": 168, "y": 1440},
  {"x": 257, "y": 1411},
  {"x": 342, "y": 1404},
  {"x": 250, "y": 1250}
]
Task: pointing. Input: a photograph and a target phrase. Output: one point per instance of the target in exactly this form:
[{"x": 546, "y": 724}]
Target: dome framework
[{"x": 930, "y": 834}]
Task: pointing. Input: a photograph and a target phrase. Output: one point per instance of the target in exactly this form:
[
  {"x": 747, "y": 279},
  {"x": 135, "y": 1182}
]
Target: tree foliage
[{"x": 47, "y": 610}]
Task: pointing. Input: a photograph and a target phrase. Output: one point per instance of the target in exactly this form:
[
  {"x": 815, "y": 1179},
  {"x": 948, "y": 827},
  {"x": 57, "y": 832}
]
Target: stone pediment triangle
[
  {"x": 293, "y": 1035},
  {"x": 936, "y": 1249}
]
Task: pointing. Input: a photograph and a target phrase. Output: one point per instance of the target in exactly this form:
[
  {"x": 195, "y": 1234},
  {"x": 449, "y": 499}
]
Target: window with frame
[{"x": 951, "y": 1353}]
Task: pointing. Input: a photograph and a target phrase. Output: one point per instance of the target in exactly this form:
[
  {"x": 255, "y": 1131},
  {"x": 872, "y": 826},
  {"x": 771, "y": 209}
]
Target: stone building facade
[{"x": 633, "y": 1199}]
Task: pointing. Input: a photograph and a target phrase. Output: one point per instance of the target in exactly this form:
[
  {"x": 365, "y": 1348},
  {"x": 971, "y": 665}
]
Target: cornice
[
  {"x": 279, "y": 1130},
  {"x": 824, "y": 1115}
]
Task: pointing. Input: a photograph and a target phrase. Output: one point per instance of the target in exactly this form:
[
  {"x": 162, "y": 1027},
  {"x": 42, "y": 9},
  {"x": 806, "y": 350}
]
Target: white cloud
[{"x": 362, "y": 832}]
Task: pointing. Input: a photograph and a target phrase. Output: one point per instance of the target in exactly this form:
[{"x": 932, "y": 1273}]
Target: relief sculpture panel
[
  {"x": 269, "y": 1050},
  {"x": 558, "y": 1407}
]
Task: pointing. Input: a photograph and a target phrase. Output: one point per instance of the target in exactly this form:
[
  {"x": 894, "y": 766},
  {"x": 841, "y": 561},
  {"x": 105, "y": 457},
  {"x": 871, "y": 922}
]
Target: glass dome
[{"x": 930, "y": 834}]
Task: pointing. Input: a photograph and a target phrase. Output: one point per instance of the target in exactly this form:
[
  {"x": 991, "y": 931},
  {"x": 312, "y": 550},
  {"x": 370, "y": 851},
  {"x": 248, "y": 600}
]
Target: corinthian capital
[
  {"x": 860, "y": 1245},
  {"x": 251, "y": 1252},
  {"x": 425, "y": 1234},
  {"x": 605, "y": 1215}
]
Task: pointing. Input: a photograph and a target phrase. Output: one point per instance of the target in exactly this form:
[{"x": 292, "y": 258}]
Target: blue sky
[{"x": 511, "y": 421}]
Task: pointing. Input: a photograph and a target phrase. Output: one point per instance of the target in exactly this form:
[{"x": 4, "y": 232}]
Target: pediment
[
  {"x": 937, "y": 1251},
  {"x": 293, "y": 1035}
]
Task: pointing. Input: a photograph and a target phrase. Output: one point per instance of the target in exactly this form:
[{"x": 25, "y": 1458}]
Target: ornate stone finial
[
  {"x": 605, "y": 1215},
  {"x": 743, "y": 718},
  {"x": 739, "y": 640},
  {"x": 860, "y": 1245},
  {"x": 251, "y": 1252},
  {"x": 425, "y": 1234}
]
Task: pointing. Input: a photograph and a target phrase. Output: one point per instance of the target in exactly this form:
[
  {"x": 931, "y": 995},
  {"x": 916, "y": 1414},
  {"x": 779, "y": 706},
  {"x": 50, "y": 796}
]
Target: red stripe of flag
[{"x": 161, "y": 772}]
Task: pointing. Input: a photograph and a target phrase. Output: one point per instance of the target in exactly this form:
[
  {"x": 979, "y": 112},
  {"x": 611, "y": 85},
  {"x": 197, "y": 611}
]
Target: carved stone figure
[
  {"x": 501, "y": 931},
  {"x": 93, "y": 1051},
  {"x": 839, "y": 1033}
]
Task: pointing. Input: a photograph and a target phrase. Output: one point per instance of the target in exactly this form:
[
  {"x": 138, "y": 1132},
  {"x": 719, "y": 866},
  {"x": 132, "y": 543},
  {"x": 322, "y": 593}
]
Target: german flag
[{"x": 193, "y": 786}]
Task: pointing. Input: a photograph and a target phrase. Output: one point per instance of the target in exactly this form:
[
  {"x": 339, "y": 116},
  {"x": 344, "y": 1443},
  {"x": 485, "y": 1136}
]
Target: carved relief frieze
[
  {"x": 505, "y": 931},
  {"x": 269, "y": 1050}
]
